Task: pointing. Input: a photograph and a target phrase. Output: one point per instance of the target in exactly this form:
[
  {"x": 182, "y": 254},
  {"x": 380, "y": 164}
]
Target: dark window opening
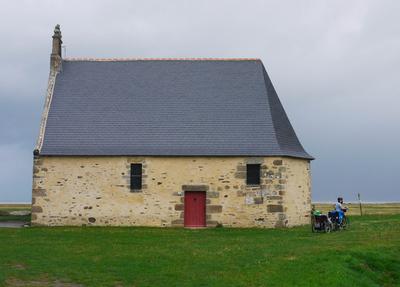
[
  {"x": 136, "y": 176},
  {"x": 253, "y": 174}
]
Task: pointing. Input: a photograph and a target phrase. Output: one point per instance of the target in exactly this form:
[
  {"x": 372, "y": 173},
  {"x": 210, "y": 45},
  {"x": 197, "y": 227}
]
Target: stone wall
[{"x": 96, "y": 191}]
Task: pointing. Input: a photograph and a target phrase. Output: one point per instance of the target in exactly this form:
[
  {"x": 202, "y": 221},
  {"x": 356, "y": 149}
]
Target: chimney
[{"x": 55, "y": 59}]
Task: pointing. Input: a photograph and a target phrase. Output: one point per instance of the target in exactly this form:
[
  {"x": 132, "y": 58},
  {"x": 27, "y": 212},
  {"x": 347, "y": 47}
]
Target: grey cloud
[{"x": 335, "y": 66}]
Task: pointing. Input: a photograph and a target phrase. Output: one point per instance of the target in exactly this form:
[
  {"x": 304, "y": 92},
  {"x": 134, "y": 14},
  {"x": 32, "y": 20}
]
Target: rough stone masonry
[{"x": 96, "y": 191}]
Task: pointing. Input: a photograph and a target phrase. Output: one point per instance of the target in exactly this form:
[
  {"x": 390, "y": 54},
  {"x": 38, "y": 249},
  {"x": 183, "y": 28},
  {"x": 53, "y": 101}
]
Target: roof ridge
[{"x": 88, "y": 59}]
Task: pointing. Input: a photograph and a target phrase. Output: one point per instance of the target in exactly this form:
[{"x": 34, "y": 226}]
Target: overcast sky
[{"x": 334, "y": 64}]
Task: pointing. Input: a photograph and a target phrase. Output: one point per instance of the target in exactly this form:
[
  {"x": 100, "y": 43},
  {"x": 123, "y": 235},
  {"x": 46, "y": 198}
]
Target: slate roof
[{"x": 167, "y": 108}]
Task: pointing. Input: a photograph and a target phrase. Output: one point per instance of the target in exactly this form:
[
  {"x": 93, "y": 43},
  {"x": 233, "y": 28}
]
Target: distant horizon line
[
  {"x": 356, "y": 201},
  {"x": 313, "y": 202}
]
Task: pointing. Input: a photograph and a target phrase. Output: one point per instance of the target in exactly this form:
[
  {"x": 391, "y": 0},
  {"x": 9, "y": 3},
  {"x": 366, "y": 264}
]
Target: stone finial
[
  {"x": 57, "y": 31},
  {"x": 57, "y": 41},
  {"x": 55, "y": 59}
]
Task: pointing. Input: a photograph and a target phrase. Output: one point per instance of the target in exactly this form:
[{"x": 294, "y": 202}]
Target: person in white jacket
[{"x": 340, "y": 208}]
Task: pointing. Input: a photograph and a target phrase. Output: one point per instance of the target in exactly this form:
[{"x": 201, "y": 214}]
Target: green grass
[
  {"x": 22, "y": 218},
  {"x": 367, "y": 208},
  {"x": 366, "y": 255},
  {"x": 14, "y": 206},
  {"x": 5, "y": 209}
]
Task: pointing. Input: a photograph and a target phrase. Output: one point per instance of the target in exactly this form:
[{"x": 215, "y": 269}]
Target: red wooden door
[{"x": 195, "y": 209}]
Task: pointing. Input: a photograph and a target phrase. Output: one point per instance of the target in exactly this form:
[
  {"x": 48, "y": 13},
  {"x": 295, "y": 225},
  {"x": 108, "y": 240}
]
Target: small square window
[
  {"x": 253, "y": 174},
  {"x": 136, "y": 177}
]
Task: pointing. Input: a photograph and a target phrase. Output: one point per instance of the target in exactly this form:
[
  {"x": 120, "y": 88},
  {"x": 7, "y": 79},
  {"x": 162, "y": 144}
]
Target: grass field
[
  {"x": 368, "y": 254},
  {"x": 367, "y": 208},
  {"x": 6, "y": 208},
  {"x": 23, "y": 218},
  {"x": 15, "y": 206}
]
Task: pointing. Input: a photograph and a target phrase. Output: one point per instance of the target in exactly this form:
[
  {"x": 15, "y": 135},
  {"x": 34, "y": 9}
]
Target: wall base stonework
[{"x": 92, "y": 190}]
